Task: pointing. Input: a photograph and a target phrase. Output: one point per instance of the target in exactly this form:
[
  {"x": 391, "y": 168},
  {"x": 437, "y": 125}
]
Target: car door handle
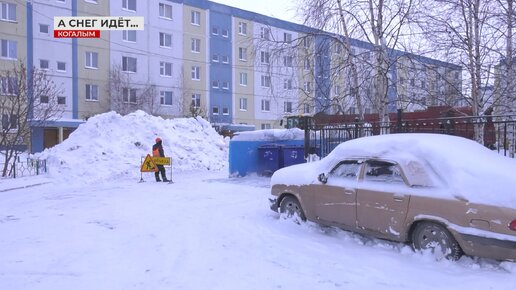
[
  {"x": 398, "y": 198},
  {"x": 349, "y": 192}
]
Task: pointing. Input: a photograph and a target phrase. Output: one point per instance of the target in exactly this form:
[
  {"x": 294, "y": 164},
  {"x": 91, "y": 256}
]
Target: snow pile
[
  {"x": 110, "y": 146},
  {"x": 271, "y": 135}
]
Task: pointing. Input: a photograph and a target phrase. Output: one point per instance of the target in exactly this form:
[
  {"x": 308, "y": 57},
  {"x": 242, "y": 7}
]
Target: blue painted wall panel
[{"x": 220, "y": 71}]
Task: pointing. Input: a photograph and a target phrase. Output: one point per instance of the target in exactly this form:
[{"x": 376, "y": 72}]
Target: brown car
[{"x": 446, "y": 194}]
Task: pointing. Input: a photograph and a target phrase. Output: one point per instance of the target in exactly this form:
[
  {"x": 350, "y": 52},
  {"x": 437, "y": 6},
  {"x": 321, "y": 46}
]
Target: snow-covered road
[{"x": 203, "y": 232}]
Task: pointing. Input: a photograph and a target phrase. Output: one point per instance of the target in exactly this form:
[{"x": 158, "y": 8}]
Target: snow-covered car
[{"x": 446, "y": 194}]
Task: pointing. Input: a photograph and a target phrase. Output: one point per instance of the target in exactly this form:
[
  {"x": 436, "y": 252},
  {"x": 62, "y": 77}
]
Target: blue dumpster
[
  {"x": 270, "y": 159},
  {"x": 293, "y": 155}
]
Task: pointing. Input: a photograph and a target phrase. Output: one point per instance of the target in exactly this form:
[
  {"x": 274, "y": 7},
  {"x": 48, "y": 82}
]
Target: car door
[
  {"x": 335, "y": 202},
  {"x": 382, "y": 199}
]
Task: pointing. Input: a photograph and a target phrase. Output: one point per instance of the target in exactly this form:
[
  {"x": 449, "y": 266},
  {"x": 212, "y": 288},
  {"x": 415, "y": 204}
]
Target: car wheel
[
  {"x": 437, "y": 239},
  {"x": 290, "y": 207}
]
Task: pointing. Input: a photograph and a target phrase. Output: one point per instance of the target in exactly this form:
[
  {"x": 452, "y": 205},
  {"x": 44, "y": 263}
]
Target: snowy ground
[
  {"x": 89, "y": 224},
  {"x": 205, "y": 231}
]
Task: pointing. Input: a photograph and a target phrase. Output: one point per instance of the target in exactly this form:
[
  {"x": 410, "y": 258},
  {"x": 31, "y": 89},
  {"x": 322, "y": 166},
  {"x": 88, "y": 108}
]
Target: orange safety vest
[{"x": 155, "y": 152}]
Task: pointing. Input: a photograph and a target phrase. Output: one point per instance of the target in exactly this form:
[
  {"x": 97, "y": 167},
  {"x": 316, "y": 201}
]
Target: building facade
[{"x": 200, "y": 58}]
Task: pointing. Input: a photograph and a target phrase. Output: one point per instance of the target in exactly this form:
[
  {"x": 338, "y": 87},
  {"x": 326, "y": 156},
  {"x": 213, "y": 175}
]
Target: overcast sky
[{"x": 282, "y": 9}]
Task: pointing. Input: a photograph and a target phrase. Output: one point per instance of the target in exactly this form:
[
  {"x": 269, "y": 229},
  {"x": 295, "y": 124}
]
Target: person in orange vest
[{"x": 157, "y": 151}]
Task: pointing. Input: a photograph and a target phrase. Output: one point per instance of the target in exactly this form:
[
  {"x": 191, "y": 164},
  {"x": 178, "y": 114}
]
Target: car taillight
[{"x": 512, "y": 225}]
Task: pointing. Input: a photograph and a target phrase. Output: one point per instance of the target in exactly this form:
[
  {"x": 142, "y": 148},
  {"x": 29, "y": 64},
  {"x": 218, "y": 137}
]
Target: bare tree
[
  {"x": 377, "y": 25},
  {"x": 126, "y": 97},
  {"x": 28, "y": 97},
  {"x": 461, "y": 30}
]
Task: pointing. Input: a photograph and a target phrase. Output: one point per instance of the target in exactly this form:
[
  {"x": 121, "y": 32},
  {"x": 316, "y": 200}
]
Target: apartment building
[
  {"x": 200, "y": 58},
  {"x": 13, "y": 47}
]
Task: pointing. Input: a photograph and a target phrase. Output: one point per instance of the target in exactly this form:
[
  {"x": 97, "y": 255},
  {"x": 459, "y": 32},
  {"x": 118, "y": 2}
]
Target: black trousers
[{"x": 161, "y": 169}]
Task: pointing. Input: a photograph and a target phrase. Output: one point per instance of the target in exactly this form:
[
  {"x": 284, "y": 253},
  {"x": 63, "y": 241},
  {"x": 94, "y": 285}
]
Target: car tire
[
  {"x": 291, "y": 208},
  {"x": 436, "y": 238}
]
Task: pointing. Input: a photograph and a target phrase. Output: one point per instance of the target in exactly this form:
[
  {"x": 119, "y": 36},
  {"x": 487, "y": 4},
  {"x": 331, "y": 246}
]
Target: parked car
[{"x": 446, "y": 194}]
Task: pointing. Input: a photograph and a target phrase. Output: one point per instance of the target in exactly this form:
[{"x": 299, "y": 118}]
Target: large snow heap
[{"x": 110, "y": 146}]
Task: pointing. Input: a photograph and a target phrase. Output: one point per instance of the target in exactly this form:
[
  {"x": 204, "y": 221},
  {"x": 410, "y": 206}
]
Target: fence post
[
  {"x": 398, "y": 119},
  {"x": 307, "y": 141},
  {"x": 505, "y": 138},
  {"x": 356, "y": 128}
]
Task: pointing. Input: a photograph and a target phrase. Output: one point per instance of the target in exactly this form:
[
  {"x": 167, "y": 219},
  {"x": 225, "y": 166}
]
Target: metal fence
[
  {"x": 499, "y": 132},
  {"x": 25, "y": 167}
]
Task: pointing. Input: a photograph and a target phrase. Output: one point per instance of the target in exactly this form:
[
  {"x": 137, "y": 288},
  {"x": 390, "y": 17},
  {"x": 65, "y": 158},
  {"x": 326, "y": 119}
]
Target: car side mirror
[{"x": 323, "y": 178}]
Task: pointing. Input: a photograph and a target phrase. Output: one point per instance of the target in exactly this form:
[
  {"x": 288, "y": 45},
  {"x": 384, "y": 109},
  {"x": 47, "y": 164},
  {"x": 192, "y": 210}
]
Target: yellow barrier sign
[
  {"x": 148, "y": 165},
  {"x": 161, "y": 160}
]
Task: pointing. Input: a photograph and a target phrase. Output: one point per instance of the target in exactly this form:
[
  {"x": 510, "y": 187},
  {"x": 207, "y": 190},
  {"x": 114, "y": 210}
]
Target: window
[
  {"x": 92, "y": 60},
  {"x": 264, "y": 57},
  {"x": 265, "y": 126},
  {"x": 307, "y": 87},
  {"x": 265, "y": 33},
  {"x": 165, "y": 69},
  {"x": 243, "y": 79},
  {"x": 129, "y": 5},
  {"x": 196, "y": 73},
  {"x": 61, "y": 100},
  {"x": 225, "y": 111},
  {"x": 287, "y": 84},
  {"x": 129, "y": 35},
  {"x": 352, "y": 110},
  {"x": 225, "y": 33},
  {"x": 215, "y": 31},
  {"x": 338, "y": 48},
  {"x": 61, "y": 66},
  {"x": 44, "y": 28},
  {"x": 306, "y": 42},
  {"x": 306, "y": 64},
  {"x": 43, "y": 64},
  {"x": 128, "y": 64},
  {"x": 225, "y": 85},
  {"x": 215, "y": 84},
  {"x": 266, "y": 105},
  {"x": 196, "y": 100},
  {"x": 92, "y": 92},
  {"x": 196, "y": 45},
  {"x": 166, "y": 98},
  {"x": 165, "y": 11},
  {"x": 215, "y": 58},
  {"x": 165, "y": 40},
  {"x": 337, "y": 90},
  {"x": 9, "y": 49},
  {"x": 383, "y": 171},
  {"x": 8, "y": 12},
  {"x": 8, "y": 86},
  {"x": 129, "y": 95},
  {"x": 367, "y": 110},
  {"x": 243, "y": 104},
  {"x": 287, "y": 61},
  {"x": 306, "y": 108},
  {"x": 195, "y": 18},
  {"x": 242, "y": 28},
  {"x": 348, "y": 169},
  {"x": 43, "y": 99},
  {"x": 265, "y": 81},
  {"x": 242, "y": 53},
  {"x": 9, "y": 122},
  {"x": 225, "y": 59},
  {"x": 287, "y": 37},
  {"x": 287, "y": 107},
  {"x": 215, "y": 110}
]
